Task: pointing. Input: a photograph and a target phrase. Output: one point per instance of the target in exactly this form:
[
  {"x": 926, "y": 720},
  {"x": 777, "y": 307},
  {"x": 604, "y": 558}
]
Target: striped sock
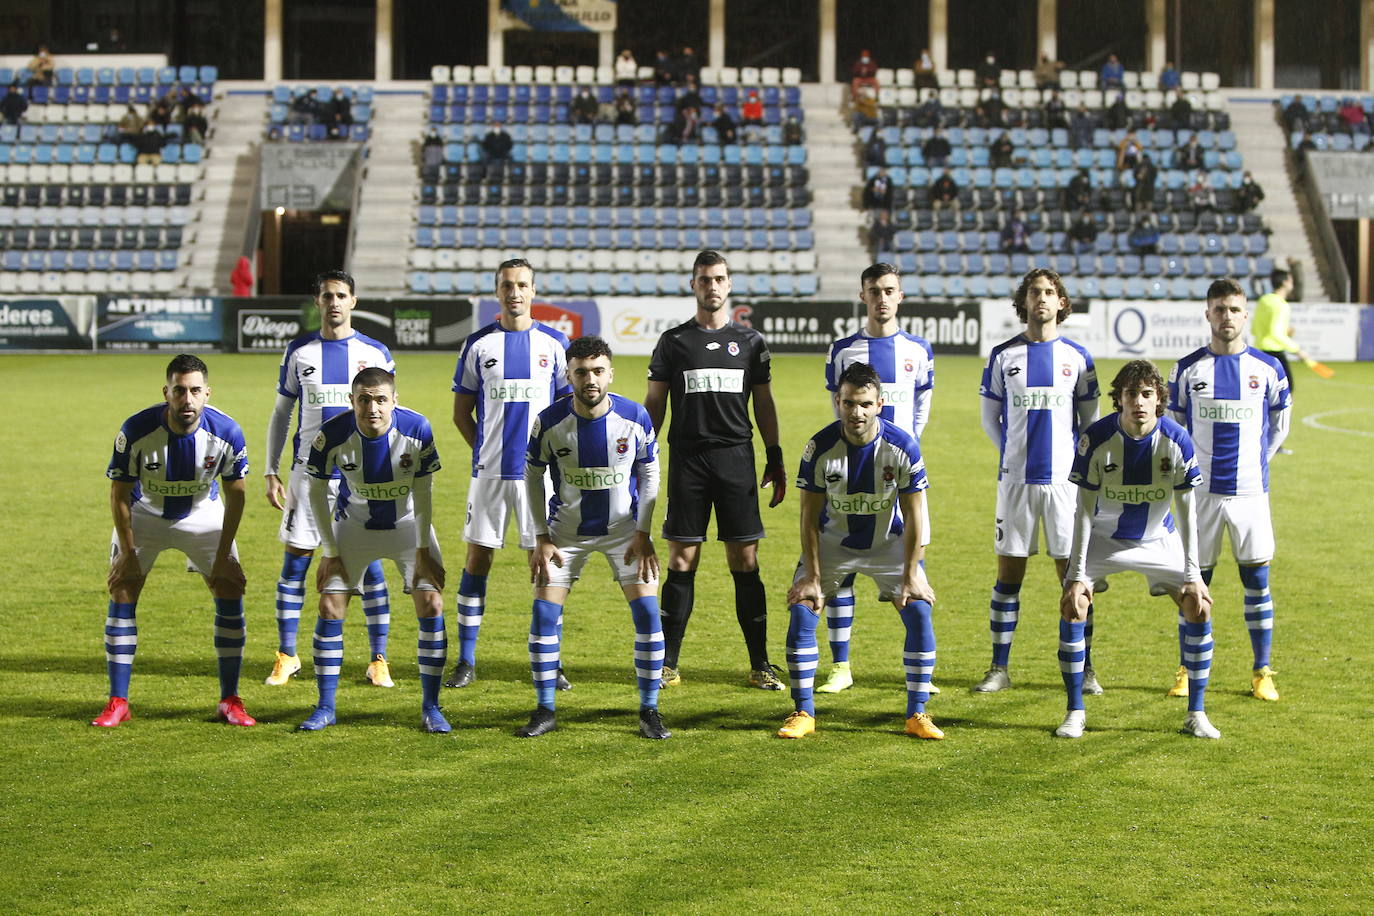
[
  {"x": 431, "y": 656},
  {"x": 839, "y": 619},
  {"x": 1088, "y": 639},
  {"x": 328, "y": 648},
  {"x": 1003, "y": 611},
  {"x": 376, "y": 608},
  {"x": 290, "y": 598},
  {"x": 472, "y": 598},
  {"x": 546, "y": 628},
  {"x": 1197, "y": 658},
  {"x": 1259, "y": 611},
  {"x": 121, "y": 641},
  {"x": 230, "y": 636},
  {"x": 648, "y": 648},
  {"x": 1071, "y": 653},
  {"x": 918, "y": 655},
  {"x": 802, "y": 656}
]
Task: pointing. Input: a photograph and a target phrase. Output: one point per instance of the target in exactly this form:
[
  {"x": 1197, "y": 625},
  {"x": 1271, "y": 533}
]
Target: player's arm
[
  {"x": 656, "y": 403},
  {"x": 1280, "y": 420},
  {"x": 991, "y": 415},
  {"x": 1187, "y": 529},
  {"x": 422, "y": 493},
  {"x": 1078, "y": 591},
  {"x": 278, "y": 426},
  {"x": 125, "y": 569},
  {"x": 915, "y": 586},
  {"x": 330, "y": 563},
  {"x": 920, "y": 407},
  {"x": 1087, "y": 410},
  {"x": 807, "y": 589},
  {"x": 234, "y": 492},
  {"x": 465, "y": 416},
  {"x": 766, "y": 418},
  {"x": 545, "y": 550},
  {"x": 642, "y": 545}
]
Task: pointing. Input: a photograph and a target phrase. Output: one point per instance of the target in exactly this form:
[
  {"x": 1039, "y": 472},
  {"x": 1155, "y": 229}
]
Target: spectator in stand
[
  {"x": 338, "y": 114},
  {"x": 726, "y": 129},
  {"x": 584, "y": 107},
  {"x": 1144, "y": 237},
  {"x": 1169, "y": 80},
  {"x": 305, "y": 109},
  {"x": 689, "y": 97},
  {"x": 1296, "y": 114},
  {"x": 1305, "y": 145},
  {"x": 626, "y": 70},
  {"x": 881, "y": 233},
  {"x": 1078, "y": 194},
  {"x": 944, "y": 192},
  {"x": 496, "y": 145},
  {"x": 1142, "y": 195},
  {"x": 878, "y": 193},
  {"x": 1128, "y": 152},
  {"x": 1082, "y": 234},
  {"x": 625, "y": 112},
  {"x": 1189, "y": 155},
  {"x": 1081, "y": 129},
  {"x": 925, "y": 71},
  {"x": 999, "y": 153},
  {"x": 988, "y": 74},
  {"x": 751, "y": 116},
  {"x": 1351, "y": 116},
  {"x": 685, "y": 127},
  {"x": 1200, "y": 193},
  {"x": 606, "y": 111},
  {"x": 930, "y": 113},
  {"x": 1047, "y": 73},
  {"x": 990, "y": 109},
  {"x": 14, "y": 104},
  {"x": 865, "y": 108},
  {"x": 1249, "y": 194},
  {"x": 791, "y": 131},
  {"x": 41, "y": 65},
  {"x": 431, "y": 156},
  {"x": 664, "y": 73},
  {"x": 130, "y": 125},
  {"x": 863, "y": 73},
  {"x": 688, "y": 65},
  {"x": 1113, "y": 75},
  {"x": 1181, "y": 112},
  {"x": 875, "y": 150},
  {"x": 1056, "y": 112},
  {"x": 160, "y": 113},
  {"x": 149, "y": 145},
  {"x": 1119, "y": 113},
  {"x": 1016, "y": 234},
  {"x": 195, "y": 127},
  {"x": 936, "y": 150}
]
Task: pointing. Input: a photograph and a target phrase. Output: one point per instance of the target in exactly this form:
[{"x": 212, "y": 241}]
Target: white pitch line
[{"x": 1315, "y": 419}]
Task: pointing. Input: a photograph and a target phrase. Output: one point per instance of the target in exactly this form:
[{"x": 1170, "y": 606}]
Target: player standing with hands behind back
[{"x": 710, "y": 367}]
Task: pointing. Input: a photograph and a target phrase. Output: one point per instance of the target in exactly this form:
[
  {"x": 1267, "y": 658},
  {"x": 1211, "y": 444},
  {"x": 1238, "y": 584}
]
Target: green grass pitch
[{"x": 174, "y": 813}]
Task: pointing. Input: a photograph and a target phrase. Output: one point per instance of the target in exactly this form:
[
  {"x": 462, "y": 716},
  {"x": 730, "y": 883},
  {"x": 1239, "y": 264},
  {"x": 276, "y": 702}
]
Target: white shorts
[
  {"x": 359, "y": 546},
  {"x": 1159, "y": 560},
  {"x": 884, "y": 566},
  {"x": 491, "y": 501},
  {"x": 298, "y": 528},
  {"x": 1022, "y": 510},
  {"x": 196, "y": 535},
  {"x": 1246, "y": 521},
  {"x": 578, "y": 550}
]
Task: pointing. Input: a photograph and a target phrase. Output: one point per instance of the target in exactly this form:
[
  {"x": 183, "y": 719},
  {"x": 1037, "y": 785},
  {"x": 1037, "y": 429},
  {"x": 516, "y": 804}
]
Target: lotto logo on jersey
[
  {"x": 387, "y": 490},
  {"x": 516, "y": 391},
  {"x": 327, "y": 395},
  {"x": 1039, "y": 399},
  {"x": 706, "y": 381},
  {"x": 594, "y": 478},
  {"x": 860, "y": 503}
]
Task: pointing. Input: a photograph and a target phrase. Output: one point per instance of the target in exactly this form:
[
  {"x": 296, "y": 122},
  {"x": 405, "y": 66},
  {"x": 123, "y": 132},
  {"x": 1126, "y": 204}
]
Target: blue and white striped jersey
[
  {"x": 1039, "y": 385},
  {"x": 174, "y": 474},
  {"x": 1135, "y": 479},
  {"x": 1229, "y": 404},
  {"x": 861, "y": 483},
  {"x": 513, "y": 375},
  {"x": 377, "y": 473},
  {"x": 318, "y": 373},
  {"x": 595, "y": 465},
  {"x": 905, "y": 365}
]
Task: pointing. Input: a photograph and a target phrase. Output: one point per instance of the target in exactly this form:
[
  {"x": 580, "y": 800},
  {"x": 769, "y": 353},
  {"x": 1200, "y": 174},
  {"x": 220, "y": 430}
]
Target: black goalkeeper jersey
[{"x": 710, "y": 375}]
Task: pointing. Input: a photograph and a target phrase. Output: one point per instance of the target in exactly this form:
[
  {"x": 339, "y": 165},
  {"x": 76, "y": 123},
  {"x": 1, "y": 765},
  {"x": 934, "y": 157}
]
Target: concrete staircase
[
  {"x": 386, "y": 205},
  {"x": 1260, "y": 141},
  {"x": 231, "y": 171},
  {"x": 836, "y": 182}
]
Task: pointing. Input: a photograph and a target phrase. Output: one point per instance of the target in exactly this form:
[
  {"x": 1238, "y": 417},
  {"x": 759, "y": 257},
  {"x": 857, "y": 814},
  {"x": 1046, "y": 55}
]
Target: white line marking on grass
[{"x": 1315, "y": 421}]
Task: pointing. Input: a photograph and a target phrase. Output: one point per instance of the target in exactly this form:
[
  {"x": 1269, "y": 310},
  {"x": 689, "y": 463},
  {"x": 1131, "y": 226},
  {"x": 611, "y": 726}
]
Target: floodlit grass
[{"x": 172, "y": 812}]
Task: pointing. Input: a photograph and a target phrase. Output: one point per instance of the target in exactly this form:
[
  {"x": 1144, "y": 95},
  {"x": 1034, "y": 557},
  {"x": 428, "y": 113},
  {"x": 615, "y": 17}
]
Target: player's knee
[
  {"x": 683, "y": 557},
  {"x": 428, "y": 603},
  {"x": 127, "y": 591},
  {"x": 742, "y": 557},
  {"x": 479, "y": 559},
  {"x": 331, "y": 609}
]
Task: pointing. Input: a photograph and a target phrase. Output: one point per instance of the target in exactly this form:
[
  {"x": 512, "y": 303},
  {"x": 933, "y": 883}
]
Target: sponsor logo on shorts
[
  {"x": 1040, "y": 399},
  {"x": 516, "y": 391},
  {"x": 327, "y": 395},
  {"x": 389, "y": 490},
  {"x": 1136, "y": 494},
  {"x": 1221, "y": 411},
  {"x": 704, "y": 381},
  {"x": 594, "y": 478}
]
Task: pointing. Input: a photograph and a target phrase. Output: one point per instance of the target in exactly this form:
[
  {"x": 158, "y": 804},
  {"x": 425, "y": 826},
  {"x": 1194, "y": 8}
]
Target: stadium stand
[
  {"x": 1330, "y": 123},
  {"x": 312, "y": 113}
]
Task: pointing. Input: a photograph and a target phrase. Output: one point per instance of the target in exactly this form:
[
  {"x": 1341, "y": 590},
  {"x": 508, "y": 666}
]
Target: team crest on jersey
[
  {"x": 1165, "y": 465},
  {"x": 1254, "y": 381},
  {"x": 888, "y": 474},
  {"x": 1083, "y": 444},
  {"x": 1065, "y": 370},
  {"x": 406, "y": 461},
  {"x": 362, "y": 364},
  {"x": 209, "y": 462},
  {"x": 908, "y": 367},
  {"x": 319, "y": 440},
  {"x": 121, "y": 442},
  {"x": 732, "y": 348},
  {"x": 622, "y": 445},
  {"x": 544, "y": 361},
  {"x": 810, "y": 451}
]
